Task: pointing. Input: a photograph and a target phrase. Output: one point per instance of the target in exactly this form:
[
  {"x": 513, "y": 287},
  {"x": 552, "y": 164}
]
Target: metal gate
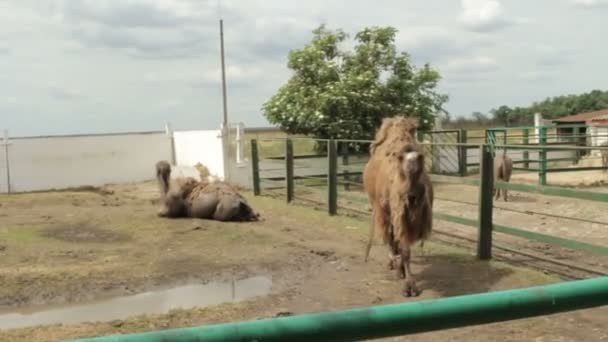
[{"x": 447, "y": 157}]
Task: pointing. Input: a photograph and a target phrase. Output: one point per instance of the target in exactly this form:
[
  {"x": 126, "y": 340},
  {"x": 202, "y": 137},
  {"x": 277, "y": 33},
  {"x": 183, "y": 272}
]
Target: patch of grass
[
  {"x": 22, "y": 235},
  {"x": 247, "y": 236}
]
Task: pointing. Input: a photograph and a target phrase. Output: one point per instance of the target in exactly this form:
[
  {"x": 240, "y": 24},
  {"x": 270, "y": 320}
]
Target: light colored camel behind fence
[{"x": 400, "y": 193}]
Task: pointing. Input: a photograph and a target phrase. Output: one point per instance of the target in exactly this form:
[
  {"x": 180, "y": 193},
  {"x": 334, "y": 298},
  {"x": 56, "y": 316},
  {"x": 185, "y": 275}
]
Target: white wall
[
  {"x": 598, "y": 136},
  {"x": 539, "y": 121},
  {"x": 43, "y": 163},
  {"x": 192, "y": 147}
]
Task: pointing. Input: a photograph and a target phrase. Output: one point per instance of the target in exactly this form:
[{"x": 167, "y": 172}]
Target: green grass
[{"x": 22, "y": 235}]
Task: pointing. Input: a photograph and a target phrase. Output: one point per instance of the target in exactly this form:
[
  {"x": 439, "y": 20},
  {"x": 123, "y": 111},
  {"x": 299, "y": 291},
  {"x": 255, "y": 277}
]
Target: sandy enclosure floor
[{"x": 60, "y": 249}]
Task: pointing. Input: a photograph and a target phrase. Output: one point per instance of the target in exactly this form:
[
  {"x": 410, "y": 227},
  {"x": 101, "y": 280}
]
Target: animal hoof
[{"x": 410, "y": 289}]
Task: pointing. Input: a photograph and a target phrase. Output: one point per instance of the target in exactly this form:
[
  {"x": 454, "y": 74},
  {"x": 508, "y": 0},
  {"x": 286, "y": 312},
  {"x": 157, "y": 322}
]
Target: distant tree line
[{"x": 550, "y": 108}]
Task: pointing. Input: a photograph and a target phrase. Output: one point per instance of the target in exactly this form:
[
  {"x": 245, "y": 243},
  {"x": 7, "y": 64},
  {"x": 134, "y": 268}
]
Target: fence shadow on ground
[{"x": 455, "y": 275}]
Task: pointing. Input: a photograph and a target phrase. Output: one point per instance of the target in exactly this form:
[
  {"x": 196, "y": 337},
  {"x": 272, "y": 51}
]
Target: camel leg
[
  {"x": 394, "y": 255},
  {"x": 410, "y": 289},
  {"x": 372, "y": 230}
]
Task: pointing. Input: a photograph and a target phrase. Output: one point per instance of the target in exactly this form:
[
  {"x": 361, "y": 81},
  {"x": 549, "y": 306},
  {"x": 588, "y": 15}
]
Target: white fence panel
[{"x": 205, "y": 147}]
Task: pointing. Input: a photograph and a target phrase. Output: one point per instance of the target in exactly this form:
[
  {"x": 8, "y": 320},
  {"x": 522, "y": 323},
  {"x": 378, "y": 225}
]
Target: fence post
[
  {"x": 7, "y": 162},
  {"x": 576, "y": 141},
  {"x": 332, "y": 178},
  {"x": 462, "y": 158},
  {"x": 542, "y": 156},
  {"x": 289, "y": 169},
  {"x": 255, "y": 167},
  {"x": 420, "y": 135},
  {"x": 169, "y": 133},
  {"x": 526, "y": 154},
  {"x": 345, "y": 163},
  {"x": 484, "y": 241}
]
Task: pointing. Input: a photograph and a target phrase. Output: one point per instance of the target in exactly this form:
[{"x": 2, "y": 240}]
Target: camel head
[
  {"x": 411, "y": 161},
  {"x": 396, "y": 128},
  {"x": 163, "y": 175}
]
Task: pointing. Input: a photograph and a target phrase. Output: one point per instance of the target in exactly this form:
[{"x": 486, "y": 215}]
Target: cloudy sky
[{"x": 80, "y": 66}]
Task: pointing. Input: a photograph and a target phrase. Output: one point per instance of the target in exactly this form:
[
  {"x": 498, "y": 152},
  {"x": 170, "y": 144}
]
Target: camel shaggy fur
[
  {"x": 203, "y": 199},
  {"x": 400, "y": 194},
  {"x": 503, "y": 168}
]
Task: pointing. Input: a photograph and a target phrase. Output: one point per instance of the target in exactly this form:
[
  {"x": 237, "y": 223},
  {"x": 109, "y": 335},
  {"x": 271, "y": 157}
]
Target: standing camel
[
  {"x": 206, "y": 200},
  {"x": 400, "y": 194},
  {"x": 503, "y": 168}
]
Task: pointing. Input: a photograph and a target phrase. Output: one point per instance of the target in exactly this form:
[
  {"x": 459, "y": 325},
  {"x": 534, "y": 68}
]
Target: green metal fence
[
  {"x": 344, "y": 192},
  {"x": 554, "y": 135},
  {"x": 395, "y": 319}
]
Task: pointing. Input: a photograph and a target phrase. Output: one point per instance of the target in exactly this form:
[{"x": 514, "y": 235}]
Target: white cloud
[
  {"x": 434, "y": 44},
  {"x": 483, "y": 15},
  {"x": 236, "y": 75},
  {"x": 589, "y": 3},
  {"x": 144, "y": 28},
  {"x": 472, "y": 65},
  {"x": 534, "y": 76},
  {"x": 64, "y": 93},
  {"x": 131, "y": 64}
]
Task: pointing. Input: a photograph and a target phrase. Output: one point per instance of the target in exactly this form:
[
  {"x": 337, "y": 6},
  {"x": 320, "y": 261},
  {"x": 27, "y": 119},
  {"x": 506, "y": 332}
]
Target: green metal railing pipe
[{"x": 394, "y": 319}]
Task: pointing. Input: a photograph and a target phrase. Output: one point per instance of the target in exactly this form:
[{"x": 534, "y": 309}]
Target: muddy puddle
[{"x": 155, "y": 302}]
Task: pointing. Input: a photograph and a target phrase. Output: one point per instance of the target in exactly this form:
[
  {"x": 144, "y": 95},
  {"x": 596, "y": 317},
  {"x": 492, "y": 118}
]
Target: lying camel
[
  {"x": 200, "y": 199},
  {"x": 400, "y": 194},
  {"x": 503, "y": 168}
]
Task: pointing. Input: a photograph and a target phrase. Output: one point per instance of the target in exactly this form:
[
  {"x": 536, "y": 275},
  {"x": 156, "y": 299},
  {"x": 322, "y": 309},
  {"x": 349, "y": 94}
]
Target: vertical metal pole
[
  {"x": 577, "y": 139},
  {"x": 462, "y": 155},
  {"x": 239, "y": 143},
  {"x": 225, "y": 102},
  {"x": 289, "y": 169},
  {"x": 542, "y": 156},
  {"x": 225, "y": 129},
  {"x": 484, "y": 241},
  {"x": 255, "y": 167},
  {"x": 504, "y": 141},
  {"x": 526, "y": 141},
  {"x": 7, "y": 162},
  {"x": 345, "y": 163},
  {"x": 332, "y": 178},
  {"x": 420, "y": 135},
  {"x": 169, "y": 133}
]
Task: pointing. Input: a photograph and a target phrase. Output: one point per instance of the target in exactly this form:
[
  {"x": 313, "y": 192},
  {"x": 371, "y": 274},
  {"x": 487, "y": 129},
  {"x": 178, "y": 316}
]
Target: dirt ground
[
  {"x": 78, "y": 246},
  {"x": 591, "y": 178}
]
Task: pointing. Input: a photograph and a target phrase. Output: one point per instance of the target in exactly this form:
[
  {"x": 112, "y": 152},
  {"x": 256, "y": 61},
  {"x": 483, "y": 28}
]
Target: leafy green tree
[{"x": 346, "y": 94}]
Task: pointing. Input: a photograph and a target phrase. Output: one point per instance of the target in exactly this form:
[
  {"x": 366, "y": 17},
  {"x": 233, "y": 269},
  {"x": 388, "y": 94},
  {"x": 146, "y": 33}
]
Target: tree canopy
[
  {"x": 341, "y": 94},
  {"x": 550, "y": 108}
]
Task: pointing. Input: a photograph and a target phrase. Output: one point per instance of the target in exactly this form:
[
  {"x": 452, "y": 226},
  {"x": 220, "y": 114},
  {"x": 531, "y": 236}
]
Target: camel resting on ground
[
  {"x": 400, "y": 194},
  {"x": 200, "y": 199}
]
